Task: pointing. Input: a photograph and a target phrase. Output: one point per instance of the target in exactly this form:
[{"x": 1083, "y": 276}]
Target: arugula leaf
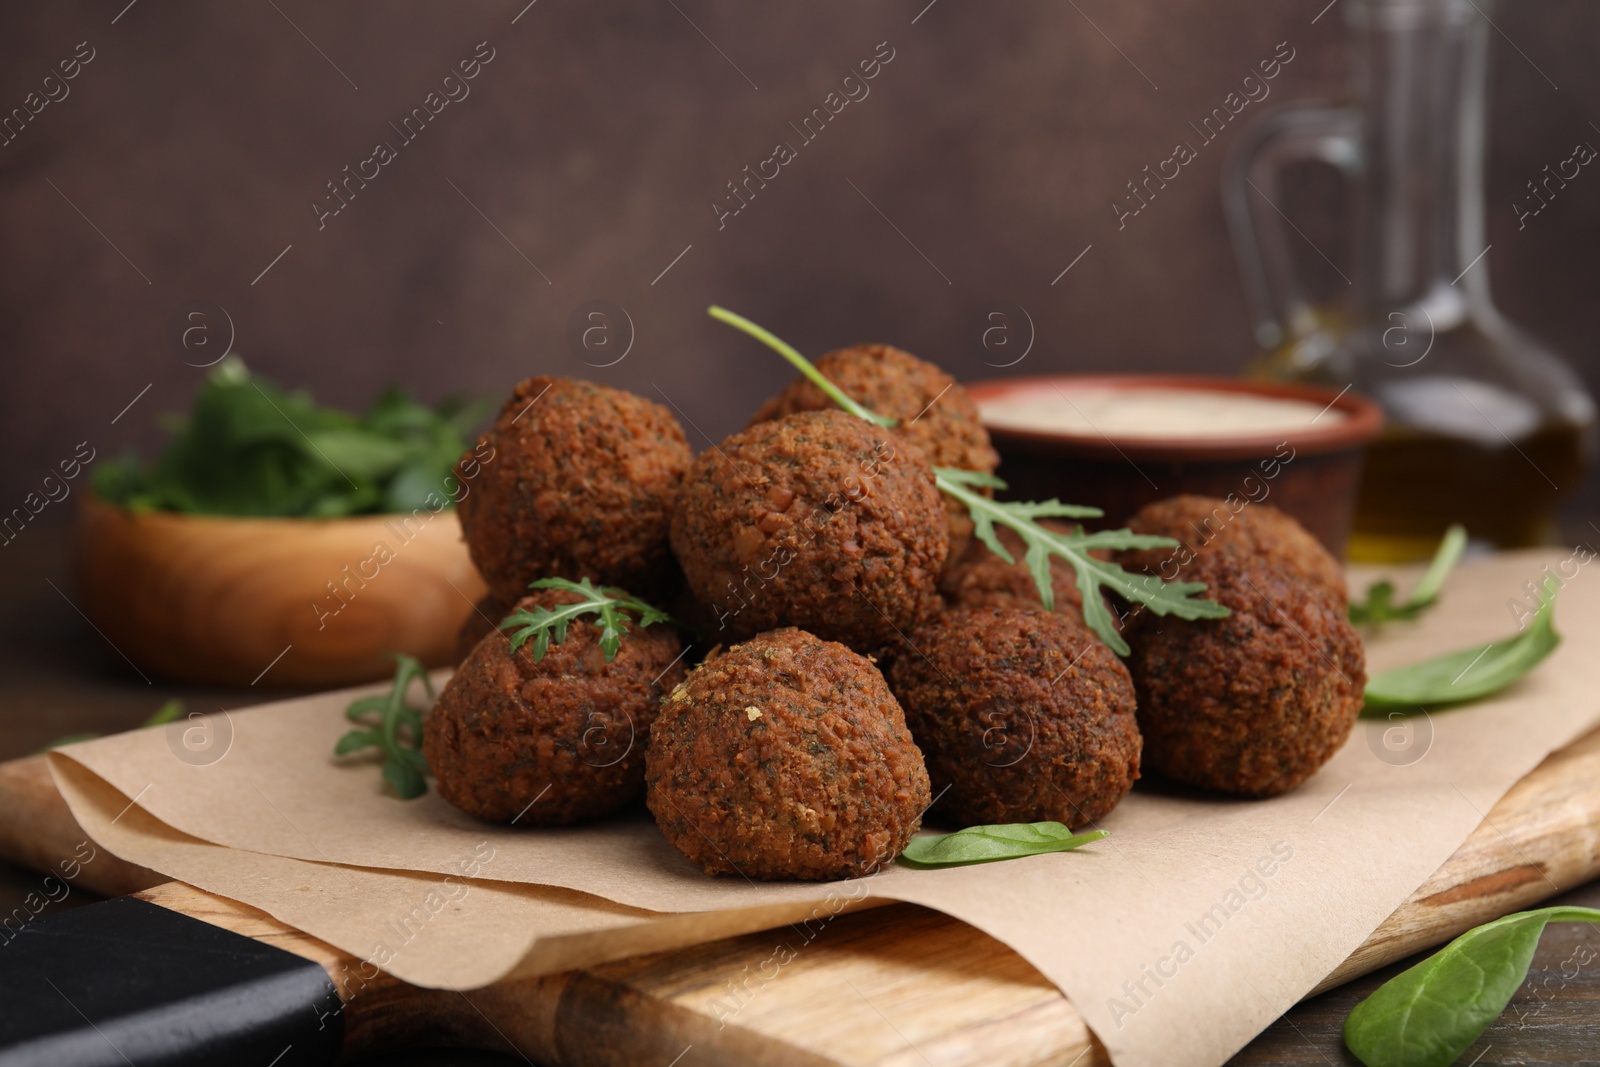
[
  {"x": 1163, "y": 598},
  {"x": 249, "y": 448},
  {"x": 397, "y": 731},
  {"x": 1380, "y": 606},
  {"x": 999, "y": 841},
  {"x": 1429, "y": 1015},
  {"x": 611, "y": 604},
  {"x": 1472, "y": 672}
]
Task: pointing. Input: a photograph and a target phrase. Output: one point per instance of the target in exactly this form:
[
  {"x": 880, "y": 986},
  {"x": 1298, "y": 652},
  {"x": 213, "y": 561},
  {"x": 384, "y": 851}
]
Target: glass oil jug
[{"x": 1487, "y": 426}]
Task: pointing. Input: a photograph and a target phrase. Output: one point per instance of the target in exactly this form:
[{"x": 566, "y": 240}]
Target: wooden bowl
[
  {"x": 1311, "y": 472},
  {"x": 279, "y": 602}
]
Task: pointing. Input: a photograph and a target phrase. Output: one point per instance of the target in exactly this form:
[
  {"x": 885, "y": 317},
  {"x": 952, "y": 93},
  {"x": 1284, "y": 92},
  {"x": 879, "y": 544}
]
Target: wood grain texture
[
  {"x": 901, "y": 985},
  {"x": 893, "y": 986},
  {"x": 1543, "y": 838},
  {"x": 39, "y": 832},
  {"x": 321, "y": 602}
]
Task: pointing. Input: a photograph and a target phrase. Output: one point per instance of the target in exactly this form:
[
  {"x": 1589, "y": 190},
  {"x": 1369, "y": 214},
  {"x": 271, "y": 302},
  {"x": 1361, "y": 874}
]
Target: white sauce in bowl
[{"x": 1153, "y": 414}]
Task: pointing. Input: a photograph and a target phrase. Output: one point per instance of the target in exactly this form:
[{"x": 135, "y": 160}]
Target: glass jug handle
[{"x": 1297, "y": 132}]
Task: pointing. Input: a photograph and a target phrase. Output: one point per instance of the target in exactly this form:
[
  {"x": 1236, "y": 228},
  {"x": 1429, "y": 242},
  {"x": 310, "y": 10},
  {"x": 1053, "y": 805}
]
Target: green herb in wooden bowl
[
  {"x": 338, "y": 531},
  {"x": 249, "y": 448}
]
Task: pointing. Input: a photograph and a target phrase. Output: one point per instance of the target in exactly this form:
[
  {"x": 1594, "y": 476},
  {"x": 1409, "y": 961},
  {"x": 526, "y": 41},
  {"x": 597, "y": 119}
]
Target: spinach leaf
[
  {"x": 1001, "y": 841},
  {"x": 1380, "y": 606},
  {"x": 1472, "y": 672},
  {"x": 1430, "y": 1014}
]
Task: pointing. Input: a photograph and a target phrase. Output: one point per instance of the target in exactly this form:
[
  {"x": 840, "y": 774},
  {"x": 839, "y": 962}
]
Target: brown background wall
[{"x": 592, "y": 146}]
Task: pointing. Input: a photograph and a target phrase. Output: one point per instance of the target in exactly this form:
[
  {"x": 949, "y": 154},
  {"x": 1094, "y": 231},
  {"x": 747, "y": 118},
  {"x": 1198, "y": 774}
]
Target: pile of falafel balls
[{"x": 849, "y": 655}]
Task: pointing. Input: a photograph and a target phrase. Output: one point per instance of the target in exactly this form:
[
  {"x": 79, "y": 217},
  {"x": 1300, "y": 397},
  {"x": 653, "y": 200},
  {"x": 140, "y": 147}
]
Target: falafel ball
[
  {"x": 485, "y": 619},
  {"x": 981, "y": 579},
  {"x": 579, "y": 484},
  {"x": 931, "y": 408},
  {"x": 819, "y": 520},
  {"x": 785, "y": 757},
  {"x": 1255, "y": 703},
  {"x": 895, "y": 383},
  {"x": 1022, "y": 714},
  {"x": 1207, "y": 526},
  {"x": 556, "y": 741}
]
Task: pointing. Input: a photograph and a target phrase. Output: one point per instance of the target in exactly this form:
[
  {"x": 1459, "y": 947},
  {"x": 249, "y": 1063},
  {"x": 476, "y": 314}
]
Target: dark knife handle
[{"x": 125, "y": 982}]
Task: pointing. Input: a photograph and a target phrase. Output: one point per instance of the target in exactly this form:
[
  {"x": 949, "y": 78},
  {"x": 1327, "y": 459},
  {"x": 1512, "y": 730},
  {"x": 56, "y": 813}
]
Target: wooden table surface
[{"x": 62, "y": 678}]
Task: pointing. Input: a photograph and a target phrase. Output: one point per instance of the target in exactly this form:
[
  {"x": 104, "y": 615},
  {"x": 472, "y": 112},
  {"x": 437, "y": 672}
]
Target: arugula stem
[
  {"x": 999, "y": 513},
  {"x": 1163, "y": 598},
  {"x": 404, "y": 767},
  {"x": 800, "y": 363},
  {"x": 390, "y": 723},
  {"x": 977, "y": 503}
]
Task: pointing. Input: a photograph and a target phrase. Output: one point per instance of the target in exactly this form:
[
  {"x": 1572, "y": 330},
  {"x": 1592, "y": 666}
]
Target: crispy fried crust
[
  {"x": 1208, "y": 526},
  {"x": 933, "y": 410},
  {"x": 580, "y": 484},
  {"x": 553, "y": 742},
  {"x": 1253, "y": 704},
  {"x": 895, "y": 383},
  {"x": 818, "y": 520},
  {"x": 785, "y": 757},
  {"x": 1024, "y": 715}
]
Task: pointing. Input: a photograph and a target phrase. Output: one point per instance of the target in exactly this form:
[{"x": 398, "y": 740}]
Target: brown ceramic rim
[{"x": 1363, "y": 419}]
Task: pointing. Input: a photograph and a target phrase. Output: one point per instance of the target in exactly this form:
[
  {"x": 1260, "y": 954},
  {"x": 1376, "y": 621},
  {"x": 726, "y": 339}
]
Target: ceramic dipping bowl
[{"x": 1118, "y": 442}]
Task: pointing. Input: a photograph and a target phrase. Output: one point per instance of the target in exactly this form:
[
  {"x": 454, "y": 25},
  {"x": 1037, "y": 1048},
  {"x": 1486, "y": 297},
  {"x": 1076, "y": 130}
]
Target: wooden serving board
[{"x": 893, "y": 986}]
